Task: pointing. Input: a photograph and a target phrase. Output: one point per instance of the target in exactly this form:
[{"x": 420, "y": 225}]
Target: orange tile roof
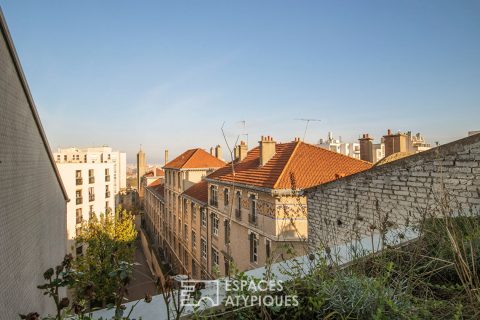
[
  {"x": 195, "y": 158},
  {"x": 294, "y": 163},
  {"x": 198, "y": 191},
  {"x": 155, "y": 183},
  {"x": 159, "y": 189},
  {"x": 158, "y": 173}
]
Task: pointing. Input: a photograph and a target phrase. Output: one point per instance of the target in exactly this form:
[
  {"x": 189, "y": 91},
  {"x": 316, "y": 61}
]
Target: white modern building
[
  {"x": 351, "y": 149},
  {"x": 93, "y": 178}
]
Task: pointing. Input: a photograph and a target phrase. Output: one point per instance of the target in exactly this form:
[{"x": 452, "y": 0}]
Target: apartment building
[
  {"x": 33, "y": 201},
  {"x": 214, "y": 216},
  {"x": 173, "y": 209},
  {"x": 351, "y": 149},
  {"x": 257, "y": 211},
  {"x": 93, "y": 178}
]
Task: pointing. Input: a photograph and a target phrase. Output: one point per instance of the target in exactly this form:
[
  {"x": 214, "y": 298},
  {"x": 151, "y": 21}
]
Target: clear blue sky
[{"x": 126, "y": 73}]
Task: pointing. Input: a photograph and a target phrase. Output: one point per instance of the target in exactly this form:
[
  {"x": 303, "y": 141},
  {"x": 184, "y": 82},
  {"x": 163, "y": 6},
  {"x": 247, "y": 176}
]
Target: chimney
[
  {"x": 366, "y": 148},
  {"x": 166, "y": 156},
  {"x": 218, "y": 152},
  {"x": 395, "y": 143},
  {"x": 211, "y": 151},
  {"x": 267, "y": 149},
  {"x": 242, "y": 150}
]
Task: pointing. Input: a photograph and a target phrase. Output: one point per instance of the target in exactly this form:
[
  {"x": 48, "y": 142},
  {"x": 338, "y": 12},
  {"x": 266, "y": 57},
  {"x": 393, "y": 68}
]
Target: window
[
  {"x": 268, "y": 248},
  {"x": 185, "y": 207},
  {"x": 90, "y": 212},
  {"x": 194, "y": 269},
  {"x": 185, "y": 232},
  {"x": 65, "y": 158},
  {"x": 213, "y": 196},
  {"x": 215, "y": 225},
  {"x": 91, "y": 194},
  {"x": 107, "y": 174},
  {"x": 193, "y": 211},
  {"x": 78, "y": 177},
  {"x": 194, "y": 240},
  {"x": 79, "y": 216},
  {"x": 203, "y": 217},
  {"x": 226, "y": 225},
  {"x": 214, "y": 258},
  {"x": 179, "y": 179},
  {"x": 226, "y": 197},
  {"x": 78, "y": 196},
  {"x": 203, "y": 248},
  {"x": 238, "y": 210},
  {"x": 58, "y": 157},
  {"x": 91, "y": 176},
  {"x": 107, "y": 207},
  {"x": 253, "y": 248},
  {"x": 85, "y": 158},
  {"x": 253, "y": 210},
  {"x": 107, "y": 191}
]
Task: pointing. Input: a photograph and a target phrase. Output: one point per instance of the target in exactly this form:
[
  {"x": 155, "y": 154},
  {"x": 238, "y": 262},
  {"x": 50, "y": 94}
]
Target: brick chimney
[
  {"x": 395, "y": 143},
  {"x": 366, "y": 148},
  {"x": 241, "y": 151},
  {"x": 166, "y": 156},
  {"x": 218, "y": 152},
  {"x": 267, "y": 149}
]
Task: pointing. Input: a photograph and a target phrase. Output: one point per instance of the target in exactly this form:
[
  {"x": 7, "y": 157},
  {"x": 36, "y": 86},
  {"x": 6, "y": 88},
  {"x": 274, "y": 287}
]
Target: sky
[{"x": 172, "y": 74}]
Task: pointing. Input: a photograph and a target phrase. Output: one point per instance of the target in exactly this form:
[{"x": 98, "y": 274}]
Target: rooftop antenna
[
  {"x": 243, "y": 122},
  {"x": 306, "y": 125}
]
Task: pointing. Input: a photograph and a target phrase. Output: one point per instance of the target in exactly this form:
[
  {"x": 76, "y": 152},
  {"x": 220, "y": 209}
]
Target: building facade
[
  {"x": 94, "y": 179},
  {"x": 214, "y": 221},
  {"x": 33, "y": 202}
]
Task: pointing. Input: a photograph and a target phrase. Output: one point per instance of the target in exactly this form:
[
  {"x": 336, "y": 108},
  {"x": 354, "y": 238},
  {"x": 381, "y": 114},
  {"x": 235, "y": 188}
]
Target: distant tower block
[{"x": 141, "y": 169}]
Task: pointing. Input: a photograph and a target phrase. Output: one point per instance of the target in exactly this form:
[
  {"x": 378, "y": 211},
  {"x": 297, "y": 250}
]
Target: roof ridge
[
  {"x": 191, "y": 156},
  {"x": 286, "y": 164}
]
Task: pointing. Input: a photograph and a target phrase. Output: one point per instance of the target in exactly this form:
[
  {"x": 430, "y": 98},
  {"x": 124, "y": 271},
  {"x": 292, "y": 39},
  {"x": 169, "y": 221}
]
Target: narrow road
[{"x": 143, "y": 282}]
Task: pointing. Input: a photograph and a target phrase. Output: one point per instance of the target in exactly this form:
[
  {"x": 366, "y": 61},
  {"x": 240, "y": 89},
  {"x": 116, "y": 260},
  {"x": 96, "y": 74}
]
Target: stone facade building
[
  {"x": 397, "y": 193},
  {"x": 33, "y": 201}
]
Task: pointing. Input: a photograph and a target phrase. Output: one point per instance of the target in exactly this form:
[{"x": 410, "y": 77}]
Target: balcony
[
  {"x": 107, "y": 178},
  {"x": 79, "y": 181},
  {"x": 79, "y": 200},
  {"x": 91, "y": 179},
  {"x": 107, "y": 194},
  {"x": 238, "y": 214},
  {"x": 91, "y": 197}
]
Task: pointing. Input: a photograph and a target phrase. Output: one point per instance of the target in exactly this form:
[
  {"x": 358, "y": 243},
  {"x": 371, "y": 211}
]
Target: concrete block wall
[
  {"x": 32, "y": 203},
  {"x": 396, "y": 194}
]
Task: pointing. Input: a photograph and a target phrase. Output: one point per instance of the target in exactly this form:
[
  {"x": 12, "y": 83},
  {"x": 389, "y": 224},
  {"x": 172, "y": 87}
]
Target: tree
[{"x": 109, "y": 241}]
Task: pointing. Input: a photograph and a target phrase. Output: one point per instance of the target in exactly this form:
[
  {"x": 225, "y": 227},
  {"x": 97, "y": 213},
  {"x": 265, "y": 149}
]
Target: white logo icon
[{"x": 209, "y": 294}]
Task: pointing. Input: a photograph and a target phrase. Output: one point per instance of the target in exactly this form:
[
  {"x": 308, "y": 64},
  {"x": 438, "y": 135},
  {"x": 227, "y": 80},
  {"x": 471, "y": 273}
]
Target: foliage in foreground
[{"x": 109, "y": 242}]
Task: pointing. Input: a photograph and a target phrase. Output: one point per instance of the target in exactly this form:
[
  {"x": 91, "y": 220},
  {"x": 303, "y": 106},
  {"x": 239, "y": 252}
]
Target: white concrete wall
[{"x": 32, "y": 204}]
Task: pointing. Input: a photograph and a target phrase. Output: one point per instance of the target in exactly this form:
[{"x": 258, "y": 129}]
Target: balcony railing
[
  {"x": 91, "y": 197},
  {"x": 79, "y": 200},
  {"x": 238, "y": 214},
  {"x": 107, "y": 194},
  {"x": 107, "y": 178},
  {"x": 91, "y": 179},
  {"x": 79, "y": 181}
]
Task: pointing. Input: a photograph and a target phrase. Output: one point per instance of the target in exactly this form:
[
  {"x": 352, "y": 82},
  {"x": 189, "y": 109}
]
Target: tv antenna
[
  {"x": 306, "y": 125},
  {"x": 244, "y": 122}
]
